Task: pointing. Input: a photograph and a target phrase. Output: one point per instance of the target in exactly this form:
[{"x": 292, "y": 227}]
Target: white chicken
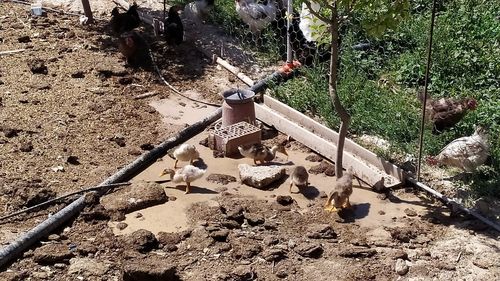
[
  {"x": 197, "y": 11},
  {"x": 185, "y": 152},
  {"x": 257, "y": 16},
  {"x": 309, "y": 24},
  {"x": 466, "y": 153}
]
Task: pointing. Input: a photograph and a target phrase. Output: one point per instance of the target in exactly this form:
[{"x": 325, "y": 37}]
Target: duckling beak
[{"x": 164, "y": 172}]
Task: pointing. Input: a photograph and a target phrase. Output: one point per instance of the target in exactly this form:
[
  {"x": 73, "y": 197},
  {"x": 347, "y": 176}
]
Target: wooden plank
[
  {"x": 328, "y": 134},
  {"x": 328, "y": 149}
]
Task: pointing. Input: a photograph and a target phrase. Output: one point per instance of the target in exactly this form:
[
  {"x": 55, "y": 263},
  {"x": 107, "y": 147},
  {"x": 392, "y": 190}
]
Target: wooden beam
[
  {"x": 363, "y": 170},
  {"x": 332, "y": 136},
  {"x": 87, "y": 11}
]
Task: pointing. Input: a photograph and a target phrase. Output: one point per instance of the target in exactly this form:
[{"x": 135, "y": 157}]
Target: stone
[
  {"x": 254, "y": 219},
  {"x": 260, "y": 176},
  {"x": 37, "y": 66},
  {"x": 410, "y": 212},
  {"x": 314, "y": 158},
  {"x": 73, "y": 160},
  {"x": 273, "y": 254},
  {"x": 357, "y": 252},
  {"x": 220, "y": 235},
  {"x": 51, "y": 254},
  {"x": 323, "y": 167},
  {"x": 87, "y": 267},
  {"x": 309, "y": 250},
  {"x": 169, "y": 238},
  {"x": 284, "y": 200},
  {"x": 400, "y": 254},
  {"x": 243, "y": 272},
  {"x": 53, "y": 237},
  {"x": 230, "y": 224},
  {"x": 24, "y": 39},
  {"x": 270, "y": 240},
  {"x": 78, "y": 74},
  {"x": 281, "y": 273},
  {"x": 151, "y": 269},
  {"x": 121, "y": 225},
  {"x": 137, "y": 196},
  {"x": 142, "y": 240},
  {"x": 10, "y": 133},
  {"x": 401, "y": 267},
  {"x": 320, "y": 231}
]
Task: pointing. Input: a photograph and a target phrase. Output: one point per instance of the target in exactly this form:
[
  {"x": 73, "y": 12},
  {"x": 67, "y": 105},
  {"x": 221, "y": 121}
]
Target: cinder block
[{"x": 228, "y": 138}]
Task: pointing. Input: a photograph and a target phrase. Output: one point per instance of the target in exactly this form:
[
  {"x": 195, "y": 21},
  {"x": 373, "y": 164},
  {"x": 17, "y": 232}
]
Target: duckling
[
  {"x": 261, "y": 153},
  {"x": 187, "y": 174},
  {"x": 185, "y": 152},
  {"x": 341, "y": 192},
  {"x": 299, "y": 177}
]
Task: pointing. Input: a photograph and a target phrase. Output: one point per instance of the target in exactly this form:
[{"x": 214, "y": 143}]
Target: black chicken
[
  {"x": 174, "y": 30},
  {"x": 123, "y": 22},
  {"x": 135, "y": 48}
]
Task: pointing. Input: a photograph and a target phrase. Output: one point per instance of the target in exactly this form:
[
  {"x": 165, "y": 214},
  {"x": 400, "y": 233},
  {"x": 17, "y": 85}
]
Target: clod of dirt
[
  {"x": 150, "y": 268},
  {"x": 410, "y": 212},
  {"x": 284, "y": 200},
  {"x": 52, "y": 253},
  {"x": 357, "y": 252},
  {"x": 245, "y": 251},
  {"x": 401, "y": 267},
  {"x": 125, "y": 80},
  {"x": 309, "y": 250},
  {"x": 172, "y": 238},
  {"x": 233, "y": 213},
  {"x": 141, "y": 240},
  {"x": 400, "y": 254},
  {"x": 402, "y": 234},
  {"x": 323, "y": 167},
  {"x": 281, "y": 273},
  {"x": 270, "y": 240},
  {"x": 121, "y": 225},
  {"x": 87, "y": 267},
  {"x": 147, "y": 146},
  {"x": 120, "y": 141},
  {"x": 37, "y": 66},
  {"x": 10, "y": 133},
  {"x": 78, "y": 74},
  {"x": 24, "y": 39},
  {"x": 73, "y": 160},
  {"x": 38, "y": 196},
  {"x": 219, "y": 235},
  {"x": 230, "y": 224},
  {"x": 314, "y": 158},
  {"x": 26, "y": 147},
  {"x": 220, "y": 178},
  {"x": 254, "y": 219},
  {"x": 321, "y": 231},
  {"x": 274, "y": 254},
  {"x": 85, "y": 248},
  {"x": 97, "y": 213},
  {"x": 134, "y": 197},
  {"x": 260, "y": 177},
  {"x": 243, "y": 273}
]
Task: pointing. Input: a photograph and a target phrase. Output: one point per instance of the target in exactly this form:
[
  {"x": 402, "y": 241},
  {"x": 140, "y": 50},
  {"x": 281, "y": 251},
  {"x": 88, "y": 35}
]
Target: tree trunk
[{"x": 345, "y": 118}]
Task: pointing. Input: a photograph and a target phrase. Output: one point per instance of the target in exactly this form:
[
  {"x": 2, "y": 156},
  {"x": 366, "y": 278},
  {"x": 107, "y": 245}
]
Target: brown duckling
[
  {"x": 299, "y": 177},
  {"x": 261, "y": 153},
  {"x": 340, "y": 194}
]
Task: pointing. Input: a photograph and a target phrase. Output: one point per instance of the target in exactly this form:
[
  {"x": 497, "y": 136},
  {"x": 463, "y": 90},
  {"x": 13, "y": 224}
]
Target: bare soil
[{"x": 77, "y": 122}]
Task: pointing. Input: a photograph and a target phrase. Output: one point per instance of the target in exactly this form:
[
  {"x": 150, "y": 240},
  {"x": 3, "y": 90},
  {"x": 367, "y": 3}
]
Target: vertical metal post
[
  {"x": 164, "y": 10},
  {"x": 289, "y": 14},
  {"x": 87, "y": 11},
  {"x": 427, "y": 70}
]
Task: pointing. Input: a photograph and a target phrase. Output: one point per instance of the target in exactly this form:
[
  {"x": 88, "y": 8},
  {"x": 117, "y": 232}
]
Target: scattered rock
[
  {"x": 321, "y": 231},
  {"x": 410, "y": 212},
  {"x": 51, "y": 254},
  {"x": 73, "y": 160},
  {"x": 323, "y": 167},
  {"x": 234, "y": 213},
  {"x": 254, "y": 219},
  {"x": 121, "y": 225},
  {"x": 309, "y": 250},
  {"x": 137, "y": 196},
  {"x": 401, "y": 267},
  {"x": 261, "y": 176},
  {"x": 220, "y": 178},
  {"x": 134, "y": 151},
  {"x": 138, "y": 215},
  {"x": 220, "y": 235},
  {"x": 273, "y": 254},
  {"x": 10, "y": 133},
  {"x": 402, "y": 234},
  {"x": 37, "y": 66},
  {"x": 141, "y": 240},
  {"x": 150, "y": 268},
  {"x": 314, "y": 158},
  {"x": 26, "y": 147},
  {"x": 270, "y": 240},
  {"x": 357, "y": 252},
  {"x": 53, "y": 237},
  {"x": 281, "y": 273},
  {"x": 87, "y": 267},
  {"x": 120, "y": 141},
  {"x": 169, "y": 238},
  {"x": 85, "y": 248},
  {"x": 230, "y": 224},
  {"x": 400, "y": 254},
  {"x": 24, "y": 39},
  {"x": 284, "y": 200},
  {"x": 243, "y": 273},
  {"x": 78, "y": 74}
]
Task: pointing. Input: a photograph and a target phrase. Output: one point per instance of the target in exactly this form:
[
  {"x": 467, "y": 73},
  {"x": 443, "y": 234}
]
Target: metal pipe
[
  {"x": 289, "y": 15},
  {"x": 15, "y": 248},
  {"x": 427, "y": 71},
  {"x": 87, "y": 11},
  {"x": 453, "y": 204}
]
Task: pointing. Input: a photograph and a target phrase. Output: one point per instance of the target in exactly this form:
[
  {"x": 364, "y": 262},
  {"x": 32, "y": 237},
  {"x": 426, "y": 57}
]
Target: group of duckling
[{"x": 337, "y": 199}]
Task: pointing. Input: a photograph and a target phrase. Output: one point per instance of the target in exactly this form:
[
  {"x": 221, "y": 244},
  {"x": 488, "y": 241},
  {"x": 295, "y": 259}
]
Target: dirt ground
[{"x": 76, "y": 122}]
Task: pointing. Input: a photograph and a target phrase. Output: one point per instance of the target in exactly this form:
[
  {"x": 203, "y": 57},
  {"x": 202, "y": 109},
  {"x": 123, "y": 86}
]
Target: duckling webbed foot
[
  {"x": 188, "y": 188},
  {"x": 331, "y": 208},
  {"x": 347, "y": 204},
  {"x": 175, "y": 164}
]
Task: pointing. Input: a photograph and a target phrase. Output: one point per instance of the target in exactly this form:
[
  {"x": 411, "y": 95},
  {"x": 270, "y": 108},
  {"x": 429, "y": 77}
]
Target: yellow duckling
[
  {"x": 340, "y": 194},
  {"x": 185, "y": 152},
  {"x": 187, "y": 174},
  {"x": 299, "y": 177},
  {"x": 261, "y": 153}
]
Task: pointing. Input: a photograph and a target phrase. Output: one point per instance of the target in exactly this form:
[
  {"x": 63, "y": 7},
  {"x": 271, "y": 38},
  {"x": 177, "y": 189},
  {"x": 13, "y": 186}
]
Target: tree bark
[{"x": 345, "y": 118}]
